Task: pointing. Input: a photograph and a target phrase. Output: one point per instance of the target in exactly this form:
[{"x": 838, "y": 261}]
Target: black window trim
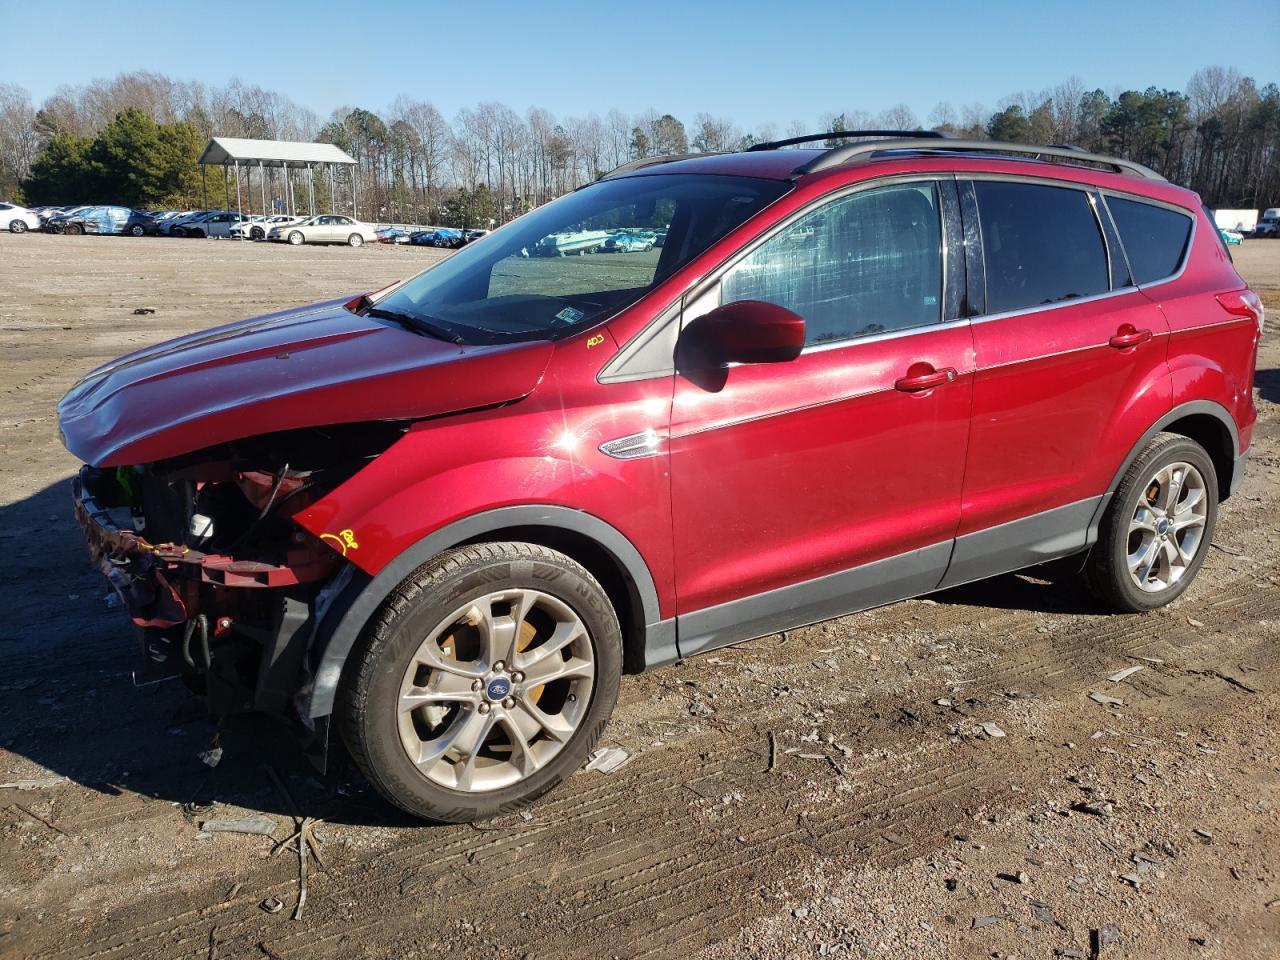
[
  {"x": 1173, "y": 208},
  {"x": 970, "y": 209},
  {"x": 683, "y": 310}
]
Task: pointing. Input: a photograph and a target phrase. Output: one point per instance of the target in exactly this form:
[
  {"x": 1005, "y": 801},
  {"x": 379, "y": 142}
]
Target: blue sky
[{"x": 751, "y": 61}]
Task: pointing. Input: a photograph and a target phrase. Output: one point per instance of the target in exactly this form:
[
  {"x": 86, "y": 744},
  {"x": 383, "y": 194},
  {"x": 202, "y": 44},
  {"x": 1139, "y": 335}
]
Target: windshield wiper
[{"x": 418, "y": 324}]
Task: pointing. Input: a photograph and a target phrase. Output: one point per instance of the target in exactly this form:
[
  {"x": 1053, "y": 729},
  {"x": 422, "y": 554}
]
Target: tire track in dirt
[{"x": 661, "y": 882}]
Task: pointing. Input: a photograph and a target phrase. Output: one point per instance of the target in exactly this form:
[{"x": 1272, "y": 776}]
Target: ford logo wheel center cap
[{"x": 497, "y": 689}]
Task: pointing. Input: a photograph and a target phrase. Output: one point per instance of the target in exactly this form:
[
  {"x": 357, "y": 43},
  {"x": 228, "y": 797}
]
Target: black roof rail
[
  {"x": 845, "y": 134},
  {"x": 861, "y": 152},
  {"x": 643, "y": 162}
]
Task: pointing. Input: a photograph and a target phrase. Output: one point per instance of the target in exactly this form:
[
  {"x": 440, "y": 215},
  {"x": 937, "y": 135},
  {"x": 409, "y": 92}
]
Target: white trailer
[{"x": 1241, "y": 221}]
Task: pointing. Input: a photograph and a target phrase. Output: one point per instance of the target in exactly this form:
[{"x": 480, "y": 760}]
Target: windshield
[{"x": 576, "y": 261}]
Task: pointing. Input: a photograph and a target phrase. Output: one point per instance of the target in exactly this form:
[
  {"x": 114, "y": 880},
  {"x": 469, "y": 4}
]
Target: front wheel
[
  {"x": 296, "y": 238},
  {"x": 355, "y": 240},
  {"x": 1157, "y": 528},
  {"x": 255, "y": 233},
  {"x": 484, "y": 681}
]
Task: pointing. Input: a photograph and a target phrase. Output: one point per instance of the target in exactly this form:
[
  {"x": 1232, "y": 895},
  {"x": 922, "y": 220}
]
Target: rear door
[
  {"x": 1066, "y": 346},
  {"x": 806, "y": 489}
]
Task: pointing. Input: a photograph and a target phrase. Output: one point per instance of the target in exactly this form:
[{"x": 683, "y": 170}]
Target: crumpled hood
[{"x": 314, "y": 366}]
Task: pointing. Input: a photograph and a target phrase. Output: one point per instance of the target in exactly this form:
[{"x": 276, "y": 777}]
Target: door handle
[
  {"x": 1127, "y": 337},
  {"x": 922, "y": 376}
]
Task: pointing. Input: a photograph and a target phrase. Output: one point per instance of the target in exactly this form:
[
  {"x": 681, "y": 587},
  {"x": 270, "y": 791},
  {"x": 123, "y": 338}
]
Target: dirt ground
[{"x": 887, "y": 825}]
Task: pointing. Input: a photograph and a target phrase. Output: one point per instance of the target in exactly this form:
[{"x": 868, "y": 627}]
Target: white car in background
[
  {"x": 17, "y": 219},
  {"x": 326, "y": 228},
  {"x": 256, "y": 228},
  {"x": 215, "y": 225}
]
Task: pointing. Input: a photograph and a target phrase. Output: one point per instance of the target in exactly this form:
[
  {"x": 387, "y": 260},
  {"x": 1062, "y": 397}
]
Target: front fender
[{"x": 351, "y": 610}]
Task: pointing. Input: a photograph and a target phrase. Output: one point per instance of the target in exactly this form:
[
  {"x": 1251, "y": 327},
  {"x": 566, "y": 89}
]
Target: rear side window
[
  {"x": 1042, "y": 245},
  {"x": 867, "y": 263},
  {"x": 1154, "y": 238}
]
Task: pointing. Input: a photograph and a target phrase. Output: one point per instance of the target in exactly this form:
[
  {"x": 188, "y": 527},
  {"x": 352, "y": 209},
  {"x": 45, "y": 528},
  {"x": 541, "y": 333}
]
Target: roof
[
  {"x": 272, "y": 153},
  {"x": 765, "y": 164}
]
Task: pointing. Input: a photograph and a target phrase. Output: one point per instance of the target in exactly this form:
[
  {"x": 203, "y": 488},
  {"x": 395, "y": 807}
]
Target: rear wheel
[
  {"x": 255, "y": 233},
  {"x": 74, "y": 229},
  {"x": 195, "y": 232},
  {"x": 17, "y": 226},
  {"x": 483, "y": 683},
  {"x": 295, "y": 237},
  {"x": 1157, "y": 528},
  {"x": 355, "y": 240},
  {"x": 136, "y": 230}
]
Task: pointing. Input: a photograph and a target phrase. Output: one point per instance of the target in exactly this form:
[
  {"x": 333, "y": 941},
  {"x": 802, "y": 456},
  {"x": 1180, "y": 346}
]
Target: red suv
[{"x": 450, "y": 514}]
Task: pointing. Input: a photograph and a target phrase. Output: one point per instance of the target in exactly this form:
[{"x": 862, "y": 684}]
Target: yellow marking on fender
[
  {"x": 595, "y": 341},
  {"x": 345, "y": 539}
]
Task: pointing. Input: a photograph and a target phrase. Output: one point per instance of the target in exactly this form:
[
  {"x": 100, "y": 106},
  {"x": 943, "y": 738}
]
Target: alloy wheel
[
  {"x": 1167, "y": 528},
  {"x": 496, "y": 690}
]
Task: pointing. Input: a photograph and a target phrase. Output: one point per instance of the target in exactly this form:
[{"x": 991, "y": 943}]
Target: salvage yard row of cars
[{"x": 110, "y": 219}]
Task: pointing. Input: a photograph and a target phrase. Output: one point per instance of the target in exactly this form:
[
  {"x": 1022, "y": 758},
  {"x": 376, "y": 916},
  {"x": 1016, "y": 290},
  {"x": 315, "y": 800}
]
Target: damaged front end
[{"x": 224, "y": 588}]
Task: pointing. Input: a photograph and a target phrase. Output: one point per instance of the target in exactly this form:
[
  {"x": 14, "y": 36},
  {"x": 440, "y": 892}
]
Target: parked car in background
[
  {"x": 140, "y": 224},
  {"x": 1231, "y": 238},
  {"x": 103, "y": 219},
  {"x": 390, "y": 234},
  {"x": 255, "y": 228},
  {"x": 629, "y": 243},
  {"x": 59, "y": 217},
  {"x": 18, "y": 219},
  {"x": 326, "y": 228},
  {"x": 575, "y": 241},
  {"x": 216, "y": 224},
  {"x": 439, "y": 237},
  {"x": 443, "y": 519},
  {"x": 168, "y": 219}
]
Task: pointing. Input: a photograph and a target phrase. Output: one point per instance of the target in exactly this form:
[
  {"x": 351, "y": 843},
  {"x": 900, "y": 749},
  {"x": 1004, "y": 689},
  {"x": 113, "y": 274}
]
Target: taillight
[{"x": 1243, "y": 303}]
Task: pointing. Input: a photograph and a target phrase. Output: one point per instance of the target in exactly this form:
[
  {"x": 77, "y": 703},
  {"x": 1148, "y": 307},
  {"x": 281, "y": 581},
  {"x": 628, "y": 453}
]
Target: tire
[
  {"x": 17, "y": 226},
  {"x": 196, "y": 232},
  {"x": 1170, "y": 465},
  {"x": 74, "y": 230},
  {"x": 296, "y": 238},
  {"x": 355, "y": 240},
  {"x": 256, "y": 233},
  {"x": 430, "y": 607},
  {"x": 137, "y": 230}
]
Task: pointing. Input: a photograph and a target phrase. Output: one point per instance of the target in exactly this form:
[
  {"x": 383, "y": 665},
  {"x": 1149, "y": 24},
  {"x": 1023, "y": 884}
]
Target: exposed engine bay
[{"x": 221, "y": 584}]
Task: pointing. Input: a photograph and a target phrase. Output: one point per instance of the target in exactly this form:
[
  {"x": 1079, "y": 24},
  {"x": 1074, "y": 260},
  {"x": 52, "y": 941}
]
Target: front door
[{"x": 807, "y": 489}]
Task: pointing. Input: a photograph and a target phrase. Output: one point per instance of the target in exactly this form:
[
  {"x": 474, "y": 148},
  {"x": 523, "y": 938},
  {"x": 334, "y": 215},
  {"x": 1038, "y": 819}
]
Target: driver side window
[{"x": 867, "y": 263}]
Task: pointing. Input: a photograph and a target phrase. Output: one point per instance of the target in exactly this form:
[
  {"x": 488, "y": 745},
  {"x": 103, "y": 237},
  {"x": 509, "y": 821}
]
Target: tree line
[{"x": 135, "y": 139}]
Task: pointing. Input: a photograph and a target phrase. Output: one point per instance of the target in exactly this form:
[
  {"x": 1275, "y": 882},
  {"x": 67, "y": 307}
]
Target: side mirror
[{"x": 746, "y": 331}]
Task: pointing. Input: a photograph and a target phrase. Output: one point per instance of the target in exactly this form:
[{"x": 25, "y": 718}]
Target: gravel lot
[{"x": 888, "y": 825}]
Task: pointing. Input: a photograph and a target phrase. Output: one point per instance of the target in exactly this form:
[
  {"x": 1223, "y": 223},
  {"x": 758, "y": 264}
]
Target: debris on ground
[
  {"x": 980, "y": 922},
  {"x": 1095, "y": 808},
  {"x": 1194, "y": 622},
  {"x": 143, "y": 311},
  {"x": 1229, "y": 551},
  {"x": 211, "y": 757},
  {"x": 1105, "y": 700},
  {"x": 272, "y": 905},
  {"x": 991, "y": 729},
  {"x": 608, "y": 759},
  {"x": 1121, "y": 675},
  {"x": 36, "y": 783},
  {"x": 256, "y": 824}
]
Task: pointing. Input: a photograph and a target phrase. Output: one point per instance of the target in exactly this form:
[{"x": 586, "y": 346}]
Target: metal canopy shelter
[{"x": 283, "y": 155}]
